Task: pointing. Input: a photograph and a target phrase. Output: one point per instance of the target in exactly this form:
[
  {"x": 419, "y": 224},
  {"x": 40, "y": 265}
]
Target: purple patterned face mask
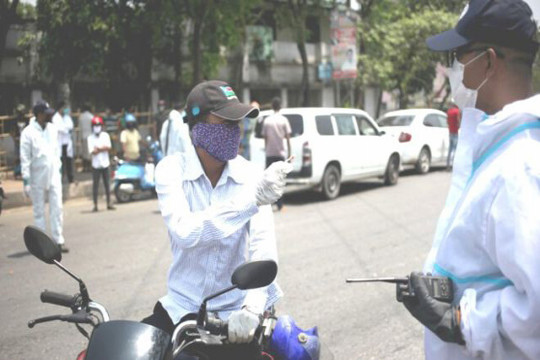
[{"x": 219, "y": 140}]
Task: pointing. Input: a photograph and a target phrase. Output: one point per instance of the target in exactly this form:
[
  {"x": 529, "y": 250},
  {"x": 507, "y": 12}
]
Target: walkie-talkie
[{"x": 439, "y": 287}]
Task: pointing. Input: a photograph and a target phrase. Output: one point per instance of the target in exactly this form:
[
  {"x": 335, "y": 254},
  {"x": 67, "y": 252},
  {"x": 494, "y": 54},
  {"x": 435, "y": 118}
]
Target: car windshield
[
  {"x": 399, "y": 120},
  {"x": 295, "y": 120}
]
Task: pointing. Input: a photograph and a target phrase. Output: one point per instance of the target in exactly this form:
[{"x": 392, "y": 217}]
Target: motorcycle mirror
[
  {"x": 41, "y": 245},
  {"x": 254, "y": 274}
]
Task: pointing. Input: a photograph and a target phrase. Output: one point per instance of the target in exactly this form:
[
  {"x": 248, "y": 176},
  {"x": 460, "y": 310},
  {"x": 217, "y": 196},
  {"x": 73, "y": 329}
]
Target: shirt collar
[{"x": 193, "y": 168}]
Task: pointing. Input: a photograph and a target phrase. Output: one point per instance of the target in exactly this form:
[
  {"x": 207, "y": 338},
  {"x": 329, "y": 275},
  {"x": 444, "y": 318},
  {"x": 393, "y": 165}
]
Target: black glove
[{"x": 439, "y": 317}]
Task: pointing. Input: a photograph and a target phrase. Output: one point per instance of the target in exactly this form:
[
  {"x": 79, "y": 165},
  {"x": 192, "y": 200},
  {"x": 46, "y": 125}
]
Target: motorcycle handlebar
[
  {"x": 79, "y": 318},
  {"x": 216, "y": 326},
  {"x": 52, "y": 297}
]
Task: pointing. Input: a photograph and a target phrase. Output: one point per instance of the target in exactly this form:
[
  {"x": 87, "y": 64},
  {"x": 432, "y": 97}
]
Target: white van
[{"x": 332, "y": 146}]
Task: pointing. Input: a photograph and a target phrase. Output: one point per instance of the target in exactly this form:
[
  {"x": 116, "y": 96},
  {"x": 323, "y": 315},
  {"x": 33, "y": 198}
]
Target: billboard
[{"x": 343, "y": 30}]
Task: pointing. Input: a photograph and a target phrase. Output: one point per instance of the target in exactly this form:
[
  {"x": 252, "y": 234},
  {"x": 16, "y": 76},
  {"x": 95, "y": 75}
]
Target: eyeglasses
[{"x": 458, "y": 53}]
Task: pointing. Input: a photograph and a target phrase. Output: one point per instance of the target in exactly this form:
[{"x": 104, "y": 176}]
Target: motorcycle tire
[{"x": 121, "y": 196}]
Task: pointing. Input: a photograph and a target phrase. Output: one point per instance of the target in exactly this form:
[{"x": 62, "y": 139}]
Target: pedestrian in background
[
  {"x": 130, "y": 138},
  {"x": 159, "y": 118},
  {"x": 174, "y": 135},
  {"x": 40, "y": 167},
  {"x": 85, "y": 129},
  {"x": 276, "y": 129},
  {"x": 453, "y": 118},
  {"x": 111, "y": 127},
  {"x": 99, "y": 145},
  {"x": 488, "y": 235},
  {"x": 64, "y": 123},
  {"x": 212, "y": 199},
  {"x": 247, "y": 126}
]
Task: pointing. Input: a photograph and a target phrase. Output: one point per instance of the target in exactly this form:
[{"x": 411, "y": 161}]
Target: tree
[
  {"x": 217, "y": 25},
  {"x": 294, "y": 15},
  {"x": 71, "y": 41},
  {"x": 395, "y": 56},
  {"x": 8, "y": 16}
]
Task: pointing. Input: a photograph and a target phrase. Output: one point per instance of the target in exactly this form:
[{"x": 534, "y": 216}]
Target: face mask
[
  {"x": 462, "y": 96},
  {"x": 66, "y": 111},
  {"x": 97, "y": 129},
  {"x": 219, "y": 140}
]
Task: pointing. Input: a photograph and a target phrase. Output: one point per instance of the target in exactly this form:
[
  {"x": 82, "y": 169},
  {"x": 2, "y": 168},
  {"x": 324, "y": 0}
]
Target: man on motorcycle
[{"x": 217, "y": 210}]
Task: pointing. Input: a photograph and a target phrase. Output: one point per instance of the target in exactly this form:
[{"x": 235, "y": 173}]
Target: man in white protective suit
[
  {"x": 488, "y": 236},
  {"x": 41, "y": 170},
  {"x": 174, "y": 136}
]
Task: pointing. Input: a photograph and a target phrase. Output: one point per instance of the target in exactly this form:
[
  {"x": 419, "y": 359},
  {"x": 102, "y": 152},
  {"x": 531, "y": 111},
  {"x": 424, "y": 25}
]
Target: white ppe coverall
[
  {"x": 174, "y": 135},
  {"x": 488, "y": 236},
  {"x": 41, "y": 168}
]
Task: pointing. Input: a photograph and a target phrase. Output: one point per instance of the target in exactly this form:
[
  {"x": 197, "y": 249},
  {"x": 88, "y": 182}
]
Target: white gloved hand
[
  {"x": 27, "y": 189},
  {"x": 242, "y": 326},
  {"x": 270, "y": 187}
]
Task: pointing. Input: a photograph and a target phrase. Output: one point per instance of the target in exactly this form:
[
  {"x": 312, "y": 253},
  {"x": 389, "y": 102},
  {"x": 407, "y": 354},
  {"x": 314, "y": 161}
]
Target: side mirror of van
[{"x": 382, "y": 132}]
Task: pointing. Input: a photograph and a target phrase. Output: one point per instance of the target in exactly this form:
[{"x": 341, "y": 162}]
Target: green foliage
[{"x": 395, "y": 55}]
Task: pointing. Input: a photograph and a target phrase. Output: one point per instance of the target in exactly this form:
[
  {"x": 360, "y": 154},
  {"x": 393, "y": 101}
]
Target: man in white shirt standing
[
  {"x": 64, "y": 123},
  {"x": 99, "y": 145},
  {"x": 276, "y": 128},
  {"x": 174, "y": 136},
  {"x": 488, "y": 236},
  {"x": 85, "y": 129},
  {"x": 40, "y": 168},
  {"x": 216, "y": 208}
]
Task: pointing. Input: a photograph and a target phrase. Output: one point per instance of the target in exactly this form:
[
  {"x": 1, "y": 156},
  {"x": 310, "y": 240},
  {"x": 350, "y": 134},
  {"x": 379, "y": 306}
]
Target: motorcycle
[
  {"x": 133, "y": 177},
  {"x": 131, "y": 340}
]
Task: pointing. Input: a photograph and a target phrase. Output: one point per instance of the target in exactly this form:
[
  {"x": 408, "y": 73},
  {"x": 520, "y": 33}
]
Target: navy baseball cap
[
  {"x": 218, "y": 98},
  {"x": 42, "y": 107},
  {"x": 507, "y": 23}
]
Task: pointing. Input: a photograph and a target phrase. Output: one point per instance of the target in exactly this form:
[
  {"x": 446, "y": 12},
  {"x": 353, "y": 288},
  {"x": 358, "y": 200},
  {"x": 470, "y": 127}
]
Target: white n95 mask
[{"x": 462, "y": 96}]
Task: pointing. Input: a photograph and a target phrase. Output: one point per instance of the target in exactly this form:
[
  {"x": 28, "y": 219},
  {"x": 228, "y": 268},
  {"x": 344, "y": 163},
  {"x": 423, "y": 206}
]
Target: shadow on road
[{"x": 18, "y": 255}]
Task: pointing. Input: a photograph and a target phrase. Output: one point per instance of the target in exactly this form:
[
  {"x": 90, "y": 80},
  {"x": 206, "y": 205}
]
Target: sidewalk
[{"x": 82, "y": 187}]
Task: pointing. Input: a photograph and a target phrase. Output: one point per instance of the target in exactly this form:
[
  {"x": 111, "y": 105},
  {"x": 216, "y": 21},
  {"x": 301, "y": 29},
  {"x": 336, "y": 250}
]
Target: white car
[
  {"x": 422, "y": 134},
  {"x": 331, "y": 146}
]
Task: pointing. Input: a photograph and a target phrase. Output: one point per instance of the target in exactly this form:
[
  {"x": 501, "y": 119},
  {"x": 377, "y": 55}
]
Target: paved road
[{"x": 123, "y": 256}]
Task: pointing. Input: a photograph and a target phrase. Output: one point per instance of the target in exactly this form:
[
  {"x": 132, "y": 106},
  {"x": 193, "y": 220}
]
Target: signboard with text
[{"x": 343, "y": 29}]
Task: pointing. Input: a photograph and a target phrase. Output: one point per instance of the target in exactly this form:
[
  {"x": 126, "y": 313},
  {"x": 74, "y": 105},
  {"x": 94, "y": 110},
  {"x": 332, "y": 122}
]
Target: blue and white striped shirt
[{"x": 213, "y": 231}]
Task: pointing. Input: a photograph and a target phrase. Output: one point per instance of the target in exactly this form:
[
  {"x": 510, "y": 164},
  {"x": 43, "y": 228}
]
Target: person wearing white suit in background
[
  {"x": 174, "y": 136},
  {"x": 41, "y": 170}
]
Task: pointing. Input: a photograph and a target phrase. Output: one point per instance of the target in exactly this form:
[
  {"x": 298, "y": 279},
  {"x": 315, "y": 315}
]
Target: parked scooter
[
  {"x": 130, "y": 340},
  {"x": 134, "y": 177}
]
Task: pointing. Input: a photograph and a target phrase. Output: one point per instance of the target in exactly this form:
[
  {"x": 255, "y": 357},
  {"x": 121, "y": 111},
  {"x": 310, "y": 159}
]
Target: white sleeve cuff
[{"x": 255, "y": 300}]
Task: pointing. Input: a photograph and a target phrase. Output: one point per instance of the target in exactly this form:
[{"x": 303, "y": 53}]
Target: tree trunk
[
  {"x": 8, "y": 15},
  {"x": 197, "y": 32},
  {"x": 304, "y": 88},
  {"x": 63, "y": 92},
  {"x": 177, "y": 63}
]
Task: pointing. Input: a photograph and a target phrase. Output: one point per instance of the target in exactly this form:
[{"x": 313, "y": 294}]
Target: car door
[
  {"x": 445, "y": 140},
  {"x": 372, "y": 146},
  {"x": 347, "y": 143},
  {"x": 435, "y": 135}
]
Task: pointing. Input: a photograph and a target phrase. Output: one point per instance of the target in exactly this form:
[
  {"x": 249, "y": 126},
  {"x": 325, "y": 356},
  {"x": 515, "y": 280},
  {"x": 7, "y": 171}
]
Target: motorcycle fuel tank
[{"x": 127, "y": 340}]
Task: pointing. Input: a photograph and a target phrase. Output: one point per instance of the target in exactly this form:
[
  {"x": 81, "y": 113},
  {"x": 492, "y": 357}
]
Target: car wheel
[
  {"x": 423, "y": 164},
  {"x": 331, "y": 182},
  {"x": 121, "y": 196},
  {"x": 391, "y": 175}
]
